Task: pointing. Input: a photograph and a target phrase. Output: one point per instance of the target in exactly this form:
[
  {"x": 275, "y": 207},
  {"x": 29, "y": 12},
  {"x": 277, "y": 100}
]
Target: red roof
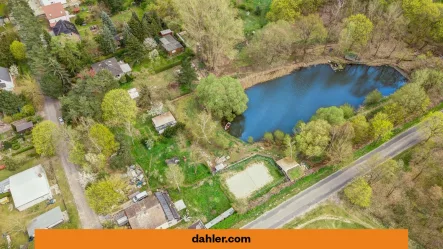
[{"x": 54, "y": 11}]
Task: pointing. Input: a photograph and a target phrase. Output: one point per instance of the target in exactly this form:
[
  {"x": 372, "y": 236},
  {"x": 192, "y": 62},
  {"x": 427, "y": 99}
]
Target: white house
[
  {"x": 29, "y": 188},
  {"x": 49, "y": 2},
  {"x": 6, "y": 82},
  {"x": 54, "y": 13}
]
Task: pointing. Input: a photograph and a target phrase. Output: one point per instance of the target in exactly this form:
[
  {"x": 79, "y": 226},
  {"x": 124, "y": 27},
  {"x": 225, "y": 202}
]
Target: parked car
[
  {"x": 60, "y": 119},
  {"x": 140, "y": 196}
]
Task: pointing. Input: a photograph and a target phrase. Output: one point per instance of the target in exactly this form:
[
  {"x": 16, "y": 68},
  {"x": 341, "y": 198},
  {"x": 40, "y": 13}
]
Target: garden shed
[
  {"x": 163, "y": 121},
  {"x": 22, "y": 125}
]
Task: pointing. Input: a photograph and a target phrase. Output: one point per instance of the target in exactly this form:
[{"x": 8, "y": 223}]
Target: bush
[
  {"x": 16, "y": 146},
  {"x": 79, "y": 21},
  {"x": 7, "y": 119},
  {"x": 348, "y": 110},
  {"x": 222, "y": 142},
  {"x": 268, "y": 137},
  {"x": 373, "y": 97},
  {"x": 23, "y": 150},
  {"x": 28, "y": 110},
  {"x": 250, "y": 140},
  {"x": 257, "y": 11},
  {"x": 279, "y": 136},
  {"x": 7, "y": 145}
]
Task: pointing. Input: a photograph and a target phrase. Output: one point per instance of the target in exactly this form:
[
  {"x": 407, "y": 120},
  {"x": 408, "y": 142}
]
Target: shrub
[
  {"x": 23, "y": 150},
  {"x": 222, "y": 142},
  {"x": 279, "y": 136},
  {"x": 7, "y": 145},
  {"x": 7, "y": 119},
  {"x": 348, "y": 110},
  {"x": 268, "y": 137},
  {"x": 79, "y": 21},
  {"x": 250, "y": 140},
  {"x": 16, "y": 146},
  {"x": 257, "y": 11},
  {"x": 373, "y": 97}
]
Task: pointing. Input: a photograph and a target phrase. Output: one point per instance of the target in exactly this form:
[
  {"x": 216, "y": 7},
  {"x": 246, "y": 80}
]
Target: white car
[{"x": 60, "y": 119}]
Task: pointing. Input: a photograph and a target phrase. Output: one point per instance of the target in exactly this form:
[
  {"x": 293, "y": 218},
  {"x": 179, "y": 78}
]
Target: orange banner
[{"x": 183, "y": 239}]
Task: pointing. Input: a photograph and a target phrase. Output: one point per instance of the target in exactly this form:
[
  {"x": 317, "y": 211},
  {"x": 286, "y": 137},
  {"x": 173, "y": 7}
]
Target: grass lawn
[
  {"x": 28, "y": 162},
  {"x": 296, "y": 173},
  {"x": 204, "y": 201}
]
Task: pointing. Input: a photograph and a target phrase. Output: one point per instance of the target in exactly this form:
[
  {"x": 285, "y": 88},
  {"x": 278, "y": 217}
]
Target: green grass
[
  {"x": 2, "y": 9},
  {"x": 295, "y": 173},
  {"x": 24, "y": 166},
  {"x": 206, "y": 201}
]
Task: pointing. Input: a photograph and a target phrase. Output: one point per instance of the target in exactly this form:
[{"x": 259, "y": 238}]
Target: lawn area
[
  {"x": 296, "y": 173},
  {"x": 204, "y": 201},
  {"x": 253, "y": 13},
  {"x": 28, "y": 161}
]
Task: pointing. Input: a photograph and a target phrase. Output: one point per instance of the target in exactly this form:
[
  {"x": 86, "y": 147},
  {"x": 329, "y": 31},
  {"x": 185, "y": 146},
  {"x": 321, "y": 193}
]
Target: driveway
[
  {"x": 88, "y": 219},
  {"x": 311, "y": 197}
]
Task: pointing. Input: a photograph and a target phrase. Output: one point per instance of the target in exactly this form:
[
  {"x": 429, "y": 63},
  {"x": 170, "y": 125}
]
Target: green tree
[
  {"x": 7, "y": 59},
  {"x": 268, "y": 137},
  {"x": 124, "y": 156},
  {"x": 10, "y": 103},
  {"x": 279, "y": 136},
  {"x": 70, "y": 53},
  {"x": 145, "y": 98},
  {"x": 118, "y": 108},
  {"x": 10, "y": 163},
  {"x": 44, "y": 137},
  {"x": 413, "y": 98},
  {"x": 340, "y": 147},
  {"x": 106, "y": 20},
  {"x": 359, "y": 192},
  {"x": 291, "y": 148},
  {"x": 361, "y": 129},
  {"x": 423, "y": 16},
  {"x": 105, "y": 195},
  {"x": 373, "y": 97},
  {"x": 136, "y": 27},
  {"x": 114, "y": 5},
  {"x": 288, "y": 10},
  {"x": 313, "y": 137},
  {"x": 106, "y": 41},
  {"x": 310, "y": 30},
  {"x": 432, "y": 126},
  {"x": 18, "y": 50},
  {"x": 395, "y": 113},
  {"x": 223, "y": 97},
  {"x": 385, "y": 172},
  {"x": 357, "y": 32},
  {"x": 431, "y": 80},
  {"x": 214, "y": 25},
  {"x": 348, "y": 110},
  {"x": 333, "y": 115},
  {"x": 103, "y": 139},
  {"x": 51, "y": 85},
  {"x": 175, "y": 176},
  {"x": 52, "y": 66},
  {"x": 187, "y": 74},
  {"x": 135, "y": 50},
  {"x": 381, "y": 127}
]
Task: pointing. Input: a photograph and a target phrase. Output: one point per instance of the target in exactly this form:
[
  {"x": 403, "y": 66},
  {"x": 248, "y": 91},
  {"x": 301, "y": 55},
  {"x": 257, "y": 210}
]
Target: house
[
  {"x": 153, "y": 212},
  {"x": 29, "y": 188},
  {"x": 47, "y": 220},
  {"x": 6, "y": 81},
  {"x": 54, "y": 13},
  {"x": 22, "y": 125},
  {"x": 49, "y": 2},
  {"x": 117, "y": 68},
  {"x": 287, "y": 165},
  {"x": 67, "y": 28},
  {"x": 163, "y": 121},
  {"x": 169, "y": 43}
]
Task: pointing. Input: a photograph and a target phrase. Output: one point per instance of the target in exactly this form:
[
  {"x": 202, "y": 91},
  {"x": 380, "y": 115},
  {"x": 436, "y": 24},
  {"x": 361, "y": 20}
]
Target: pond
[{"x": 282, "y": 102}]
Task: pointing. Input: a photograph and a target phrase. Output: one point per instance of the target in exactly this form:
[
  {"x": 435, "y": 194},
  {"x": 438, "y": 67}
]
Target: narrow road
[
  {"x": 88, "y": 219},
  {"x": 312, "y": 196}
]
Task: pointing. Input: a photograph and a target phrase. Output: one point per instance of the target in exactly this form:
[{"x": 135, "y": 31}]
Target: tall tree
[
  {"x": 361, "y": 129},
  {"x": 359, "y": 192},
  {"x": 340, "y": 147},
  {"x": 106, "y": 41},
  {"x": 114, "y": 5},
  {"x": 310, "y": 30},
  {"x": 432, "y": 81},
  {"x": 103, "y": 139},
  {"x": 413, "y": 98},
  {"x": 175, "y": 176},
  {"x": 118, "y": 108},
  {"x": 18, "y": 50},
  {"x": 136, "y": 27},
  {"x": 7, "y": 59},
  {"x": 288, "y": 10},
  {"x": 313, "y": 137},
  {"x": 10, "y": 103},
  {"x": 333, "y": 115},
  {"x": 373, "y": 97},
  {"x": 51, "y": 85},
  {"x": 205, "y": 128},
  {"x": 135, "y": 49},
  {"x": 356, "y": 33},
  {"x": 106, "y": 20},
  {"x": 105, "y": 195},
  {"x": 422, "y": 16},
  {"x": 432, "y": 126},
  {"x": 187, "y": 74},
  {"x": 223, "y": 97},
  {"x": 214, "y": 25},
  {"x": 45, "y": 136},
  {"x": 291, "y": 148},
  {"x": 381, "y": 126}
]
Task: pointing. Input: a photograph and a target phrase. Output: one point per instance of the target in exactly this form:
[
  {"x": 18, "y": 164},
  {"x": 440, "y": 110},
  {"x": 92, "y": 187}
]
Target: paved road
[
  {"x": 309, "y": 198},
  {"x": 88, "y": 219}
]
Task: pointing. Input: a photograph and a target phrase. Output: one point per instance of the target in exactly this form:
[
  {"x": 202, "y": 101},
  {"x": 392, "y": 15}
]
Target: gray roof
[
  {"x": 167, "y": 206},
  {"x": 4, "y": 186},
  {"x": 64, "y": 27},
  {"x": 4, "y": 74},
  {"x": 165, "y": 32},
  {"x": 110, "y": 64},
  {"x": 170, "y": 43},
  {"x": 22, "y": 125},
  {"x": 197, "y": 225},
  {"x": 47, "y": 220}
]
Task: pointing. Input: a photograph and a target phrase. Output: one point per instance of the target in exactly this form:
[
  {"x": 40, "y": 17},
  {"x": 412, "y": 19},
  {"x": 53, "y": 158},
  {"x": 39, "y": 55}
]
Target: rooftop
[
  {"x": 287, "y": 163},
  {"x": 64, "y": 27},
  {"x": 167, "y": 205},
  {"x": 170, "y": 43},
  {"x": 22, "y": 125},
  {"x": 165, "y": 32},
  {"x": 163, "y": 119},
  {"x": 4, "y": 74},
  {"x": 29, "y": 185},
  {"x": 111, "y": 64},
  {"x": 47, "y": 220},
  {"x": 53, "y": 11},
  {"x": 146, "y": 214}
]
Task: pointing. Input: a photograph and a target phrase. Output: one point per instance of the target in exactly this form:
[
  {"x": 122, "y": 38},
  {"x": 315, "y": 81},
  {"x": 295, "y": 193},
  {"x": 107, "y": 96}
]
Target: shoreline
[{"x": 265, "y": 76}]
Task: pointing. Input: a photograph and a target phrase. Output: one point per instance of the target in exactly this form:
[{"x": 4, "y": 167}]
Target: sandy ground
[{"x": 249, "y": 180}]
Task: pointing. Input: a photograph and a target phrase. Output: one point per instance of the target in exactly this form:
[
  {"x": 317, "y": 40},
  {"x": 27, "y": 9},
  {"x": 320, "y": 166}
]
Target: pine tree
[
  {"x": 136, "y": 27},
  {"x": 187, "y": 74},
  {"x": 108, "y": 22},
  {"x": 106, "y": 41},
  {"x": 146, "y": 25},
  {"x": 135, "y": 49}
]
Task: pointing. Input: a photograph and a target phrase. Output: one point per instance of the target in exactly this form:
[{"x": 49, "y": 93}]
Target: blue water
[{"x": 281, "y": 103}]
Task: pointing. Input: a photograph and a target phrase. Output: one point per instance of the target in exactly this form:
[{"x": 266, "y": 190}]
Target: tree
[
  {"x": 10, "y": 163},
  {"x": 205, "y": 127},
  {"x": 310, "y": 30},
  {"x": 7, "y": 59},
  {"x": 214, "y": 25},
  {"x": 333, "y": 115},
  {"x": 114, "y": 5},
  {"x": 340, "y": 147},
  {"x": 279, "y": 136},
  {"x": 432, "y": 126},
  {"x": 187, "y": 74},
  {"x": 10, "y": 103},
  {"x": 135, "y": 49},
  {"x": 103, "y": 139},
  {"x": 174, "y": 176},
  {"x": 136, "y": 27},
  {"x": 124, "y": 157},
  {"x": 385, "y": 172},
  {"x": 288, "y": 10},
  {"x": 290, "y": 144},
  {"x": 361, "y": 129},
  {"x": 149, "y": 44},
  {"x": 70, "y": 53},
  {"x": 431, "y": 80},
  {"x": 359, "y": 192},
  {"x": 357, "y": 32},
  {"x": 395, "y": 112},
  {"x": 31, "y": 90},
  {"x": 272, "y": 44},
  {"x": 423, "y": 16},
  {"x": 106, "y": 41},
  {"x": 51, "y": 85},
  {"x": 223, "y": 97},
  {"x": 52, "y": 66},
  {"x": 348, "y": 110},
  {"x": 381, "y": 127},
  {"x": 145, "y": 96},
  {"x": 18, "y": 50},
  {"x": 105, "y": 195},
  {"x": 118, "y": 108},
  {"x": 13, "y": 70},
  {"x": 313, "y": 137},
  {"x": 413, "y": 98},
  {"x": 79, "y": 20},
  {"x": 106, "y": 20},
  {"x": 373, "y": 97},
  {"x": 44, "y": 137}
]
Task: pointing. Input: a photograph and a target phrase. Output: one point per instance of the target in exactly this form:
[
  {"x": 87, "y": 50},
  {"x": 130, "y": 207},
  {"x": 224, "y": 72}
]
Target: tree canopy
[
  {"x": 381, "y": 126},
  {"x": 288, "y": 10},
  {"x": 357, "y": 32},
  {"x": 118, "y": 108},
  {"x": 105, "y": 195},
  {"x": 45, "y": 136},
  {"x": 333, "y": 115},
  {"x": 103, "y": 139},
  {"x": 10, "y": 103},
  {"x": 313, "y": 137},
  {"x": 359, "y": 192}
]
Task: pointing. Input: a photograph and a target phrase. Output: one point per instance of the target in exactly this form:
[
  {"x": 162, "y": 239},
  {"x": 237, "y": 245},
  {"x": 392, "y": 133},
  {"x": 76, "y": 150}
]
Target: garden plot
[{"x": 250, "y": 180}]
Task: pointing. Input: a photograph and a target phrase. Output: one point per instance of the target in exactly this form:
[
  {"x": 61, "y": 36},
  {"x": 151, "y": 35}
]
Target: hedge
[{"x": 23, "y": 150}]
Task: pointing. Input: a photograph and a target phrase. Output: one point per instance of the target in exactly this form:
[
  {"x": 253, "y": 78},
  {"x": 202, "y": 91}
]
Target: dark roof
[
  {"x": 22, "y": 125},
  {"x": 167, "y": 206},
  {"x": 110, "y": 64},
  {"x": 170, "y": 43},
  {"x": 4, "y": 74},
  {"x": 197, "y": 225},
  {"x": 64, "y": 27}
]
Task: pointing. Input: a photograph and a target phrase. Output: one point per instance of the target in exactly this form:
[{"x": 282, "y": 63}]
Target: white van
[{"x": 140, "y": 196}]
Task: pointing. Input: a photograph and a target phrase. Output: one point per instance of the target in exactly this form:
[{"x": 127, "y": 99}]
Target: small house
[
  {"x": 29, "y": 188},
  {"x": 169, "y": 43},
  {"x": 54, "y": 13},
  {"x": 6, "y": 81},
  {"x": 22, "y": 125},
  {"x": 67, "y": 28},
  {"x": 163, "y": 121},
  {"x": 117, "y": 68},
  {"x": 47, "y": 220},
  {"x": 290, "y": 168}
]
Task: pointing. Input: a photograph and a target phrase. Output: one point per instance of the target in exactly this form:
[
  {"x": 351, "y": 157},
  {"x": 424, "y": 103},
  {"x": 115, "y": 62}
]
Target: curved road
[
  {"x": 88, "y": 219},
  {"x": 312, "y": 196}
]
